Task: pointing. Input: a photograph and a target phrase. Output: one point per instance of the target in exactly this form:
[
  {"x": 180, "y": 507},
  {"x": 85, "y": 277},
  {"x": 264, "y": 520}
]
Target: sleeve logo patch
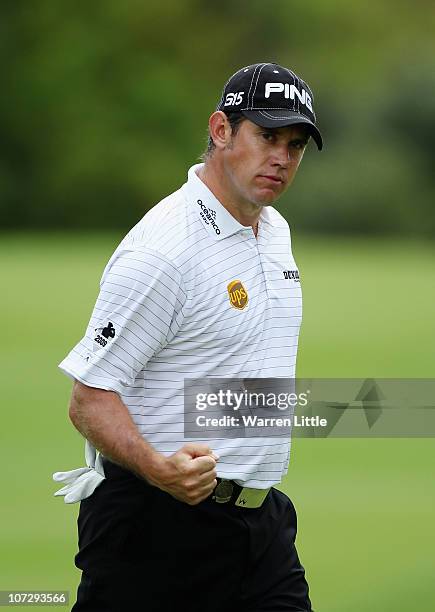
[
  {"x": 237, "y": 294},
  {"x": 103, "y": 336}
]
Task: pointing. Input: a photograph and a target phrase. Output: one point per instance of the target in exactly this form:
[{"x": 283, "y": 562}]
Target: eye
[
  {"x": 298, "y": 145},
  {"x": 267, "y": 136}
]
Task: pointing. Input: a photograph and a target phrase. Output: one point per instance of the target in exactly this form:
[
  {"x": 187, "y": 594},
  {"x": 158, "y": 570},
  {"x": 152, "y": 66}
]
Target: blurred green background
[
  {"x": 105, "y": 104},
  {"x": 104, "y": 107}
]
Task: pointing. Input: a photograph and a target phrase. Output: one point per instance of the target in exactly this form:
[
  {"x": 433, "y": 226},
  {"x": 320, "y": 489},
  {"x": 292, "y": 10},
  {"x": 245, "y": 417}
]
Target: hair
[{"x": 235, "y": 119}]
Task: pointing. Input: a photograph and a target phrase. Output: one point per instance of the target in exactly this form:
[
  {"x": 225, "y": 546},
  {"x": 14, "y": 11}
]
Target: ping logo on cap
[
  {"x": 237, "y": 294},
  {"x": 290, "y": 91}
]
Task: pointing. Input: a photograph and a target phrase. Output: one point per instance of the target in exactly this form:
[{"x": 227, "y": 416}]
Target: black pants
[{"x": 141, "y": 549}]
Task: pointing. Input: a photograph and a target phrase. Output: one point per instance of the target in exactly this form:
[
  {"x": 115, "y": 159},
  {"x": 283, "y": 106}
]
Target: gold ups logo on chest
[{"x": 238, "y": 294}]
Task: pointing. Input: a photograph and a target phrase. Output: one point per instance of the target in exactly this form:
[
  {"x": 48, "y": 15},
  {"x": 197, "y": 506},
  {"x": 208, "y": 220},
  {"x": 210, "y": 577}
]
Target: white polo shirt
[{"x": 164, "y": 313}]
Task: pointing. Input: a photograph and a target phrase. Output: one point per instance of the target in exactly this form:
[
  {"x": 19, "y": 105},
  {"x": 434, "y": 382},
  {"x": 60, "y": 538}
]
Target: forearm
[
  {"x": 189, "y": 474},
  {"x": 103, "y": 419}
]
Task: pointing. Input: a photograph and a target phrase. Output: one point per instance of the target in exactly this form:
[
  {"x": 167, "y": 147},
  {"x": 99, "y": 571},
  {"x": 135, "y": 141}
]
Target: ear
[{"x": 220, "y": 129}]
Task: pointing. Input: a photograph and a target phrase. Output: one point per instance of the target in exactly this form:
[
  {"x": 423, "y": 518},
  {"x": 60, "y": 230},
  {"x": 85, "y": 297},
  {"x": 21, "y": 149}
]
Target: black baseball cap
[{"x": 271, "y": 96}]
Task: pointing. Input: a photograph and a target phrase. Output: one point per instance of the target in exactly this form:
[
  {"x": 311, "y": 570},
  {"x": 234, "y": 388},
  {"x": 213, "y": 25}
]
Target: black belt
[{"x": 226, "y": 491}]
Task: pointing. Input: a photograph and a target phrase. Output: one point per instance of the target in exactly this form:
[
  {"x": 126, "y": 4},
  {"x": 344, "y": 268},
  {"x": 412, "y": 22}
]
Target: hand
[{"x": 189, "y": 475}]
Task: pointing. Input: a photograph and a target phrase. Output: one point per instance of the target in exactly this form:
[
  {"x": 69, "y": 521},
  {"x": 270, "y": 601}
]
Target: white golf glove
[{"x": 81, "y": 482}]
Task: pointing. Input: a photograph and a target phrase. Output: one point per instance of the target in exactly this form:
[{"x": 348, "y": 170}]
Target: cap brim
[{"x": 281, "y": 118}]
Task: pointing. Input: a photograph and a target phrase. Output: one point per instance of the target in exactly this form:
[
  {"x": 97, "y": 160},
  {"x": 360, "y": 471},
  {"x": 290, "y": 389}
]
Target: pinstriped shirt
[{"x": 166, "y": 312}]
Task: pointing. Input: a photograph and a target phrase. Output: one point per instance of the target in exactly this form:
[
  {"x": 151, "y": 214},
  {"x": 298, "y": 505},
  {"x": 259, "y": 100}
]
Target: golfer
[{"x": 205, "y": 286}]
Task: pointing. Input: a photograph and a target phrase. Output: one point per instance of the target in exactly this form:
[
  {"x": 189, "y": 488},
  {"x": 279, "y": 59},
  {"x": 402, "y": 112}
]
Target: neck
[{"x": 246, "y": 213}]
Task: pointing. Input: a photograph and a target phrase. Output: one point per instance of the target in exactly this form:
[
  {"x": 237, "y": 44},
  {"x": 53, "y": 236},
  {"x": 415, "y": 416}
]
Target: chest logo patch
[
  {"x": 237, "y": 294},
  {"x": 291, "y": 275}
]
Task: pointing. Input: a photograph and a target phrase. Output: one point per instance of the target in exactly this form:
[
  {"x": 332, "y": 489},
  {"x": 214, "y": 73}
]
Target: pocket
[
  {"x": 136, "y": 527},
  {"x": 288, "y": 506},
  {"x": 111, "y": 519}
]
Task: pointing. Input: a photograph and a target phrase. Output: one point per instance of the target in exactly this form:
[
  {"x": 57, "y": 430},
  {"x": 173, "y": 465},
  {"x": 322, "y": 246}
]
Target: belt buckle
[
  {"x": 251, "y": 498},
  {"x": 223, "y": 492}
]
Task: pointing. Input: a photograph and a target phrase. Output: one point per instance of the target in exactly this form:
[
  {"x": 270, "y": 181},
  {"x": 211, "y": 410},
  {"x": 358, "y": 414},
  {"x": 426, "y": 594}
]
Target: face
[{"x": 261, "y": 163}]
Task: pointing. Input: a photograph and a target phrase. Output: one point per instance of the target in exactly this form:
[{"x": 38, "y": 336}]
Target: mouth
[{"x": 272, "y": 179}]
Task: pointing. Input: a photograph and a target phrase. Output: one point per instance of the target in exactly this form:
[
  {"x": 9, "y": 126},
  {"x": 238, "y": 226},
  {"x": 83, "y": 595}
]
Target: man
[{"x": 198, "y": 288}]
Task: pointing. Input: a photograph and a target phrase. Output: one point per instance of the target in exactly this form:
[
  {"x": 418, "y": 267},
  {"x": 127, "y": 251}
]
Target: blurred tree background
[{"x": 105, "y": 105}]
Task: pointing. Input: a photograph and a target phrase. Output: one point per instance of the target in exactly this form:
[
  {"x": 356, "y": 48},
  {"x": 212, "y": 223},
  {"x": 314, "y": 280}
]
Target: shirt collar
[{"x": 214, "y": 216}]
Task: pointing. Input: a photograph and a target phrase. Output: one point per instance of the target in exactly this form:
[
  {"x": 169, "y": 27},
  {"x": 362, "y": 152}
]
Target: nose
[{"x": 282, "y": 156}]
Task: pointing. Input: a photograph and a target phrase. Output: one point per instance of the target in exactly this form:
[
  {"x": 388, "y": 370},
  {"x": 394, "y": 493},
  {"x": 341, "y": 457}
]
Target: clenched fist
[{"x": 189, "y": 475}]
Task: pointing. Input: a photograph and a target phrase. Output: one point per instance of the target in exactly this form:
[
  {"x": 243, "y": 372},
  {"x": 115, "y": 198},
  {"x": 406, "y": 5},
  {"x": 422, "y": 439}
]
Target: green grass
[{"x": 366, "y": 507}]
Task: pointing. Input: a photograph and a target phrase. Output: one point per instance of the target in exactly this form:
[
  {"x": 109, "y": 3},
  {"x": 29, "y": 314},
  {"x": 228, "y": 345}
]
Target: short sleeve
[{"x": 138, "y": 310}]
